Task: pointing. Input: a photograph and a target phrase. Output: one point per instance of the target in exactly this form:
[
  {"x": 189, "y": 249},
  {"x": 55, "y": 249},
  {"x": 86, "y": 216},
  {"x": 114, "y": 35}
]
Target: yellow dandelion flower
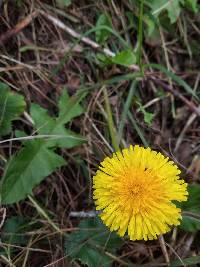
[{"x": 135, "y": 190}]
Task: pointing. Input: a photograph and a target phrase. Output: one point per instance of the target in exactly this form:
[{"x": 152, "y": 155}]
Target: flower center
[
  {"x": 136, "y": 190},
  {"x": 140, "y": 187}
]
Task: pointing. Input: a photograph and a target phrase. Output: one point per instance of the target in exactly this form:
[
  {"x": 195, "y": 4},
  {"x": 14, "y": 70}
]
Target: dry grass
[{"x": 38, "y": 59}]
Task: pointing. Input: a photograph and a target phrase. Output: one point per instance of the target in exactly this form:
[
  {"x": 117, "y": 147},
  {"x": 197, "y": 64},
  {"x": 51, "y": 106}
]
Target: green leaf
[
  {"x": 27, "y": 169},
  {"x": 90, "y": 242},
  {"x": 172, "y": 7},
  {"x": 190, "y": 223},
  {"x": 69, "y": 108},
  {"x": 191, "y": 210},
  {"x": 37, "y": 159},
  {"x": 43, "y": 122},
  {"x": 125, "y": 58},
  {"x": 102, "y": 35},
  {"x": 148, "y": 116},
  {"x": 174, "y": 10},
  {"x": 192, "y": 4},
  {"x": 13, "y": 230},
  {"x": 11, "y": 107},
  {"x": 150, "y": 22},
  {"x": 188, "y": 262}
]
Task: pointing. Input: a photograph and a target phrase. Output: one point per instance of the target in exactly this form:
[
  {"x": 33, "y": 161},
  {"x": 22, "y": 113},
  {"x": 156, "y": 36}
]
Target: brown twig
[
  {"x": 184, "y": 130},
  {"x": 164, "y": 249},
  {"x": 176, "y": 93},
  {"x": 84, "y": 214},
  {"x": 175, "y": 253},
  {"x": 82, "y": 38},
  {"x": 18, "y": 27}
]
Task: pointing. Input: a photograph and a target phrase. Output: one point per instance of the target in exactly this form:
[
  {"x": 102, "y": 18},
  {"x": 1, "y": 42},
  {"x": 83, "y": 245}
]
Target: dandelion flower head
[{"x": 135, "y": 190}]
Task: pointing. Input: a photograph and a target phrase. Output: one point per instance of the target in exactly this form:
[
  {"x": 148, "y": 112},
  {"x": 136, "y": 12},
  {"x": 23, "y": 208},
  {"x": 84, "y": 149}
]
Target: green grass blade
[
  {"x": 188, "y": 262},
  {"x": 122, "y": 78},
  {"x": 175, "y": 78},
  {"x": 111, "y": 126},
  {"x": 138, "y": 130},
  {"x": 140, "y": 35},
  {"x": 126, "y": 109}
]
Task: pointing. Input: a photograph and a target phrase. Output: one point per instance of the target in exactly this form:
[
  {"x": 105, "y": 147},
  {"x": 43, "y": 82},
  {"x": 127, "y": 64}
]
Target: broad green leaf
[
  {"x": 89, "y": 243},
  {"x": 69, "y": 108},
  {"x": 125, "y": 58},
  {"x": 43, "y": 122},
  {"x": 46, "y": 125},
  {"x": 191, "y": 210},
  {"x": 190, "y": 222},
  {"x": 192, "y": 4},
  {"x": 37, "y": 159},
  {"x": 21, "y": 135},
  {"x": 11, "y": 107},
  {"x": 13, "y": 229},
  {"x": 193, "y": 202},
  {"x": 174, "y": 10},
  {"x": 102, "y": 35},
  {"x": 172, "y": 7},
  {"x": 192, "y": 261},
  {"x": 27, "y": 169}
]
